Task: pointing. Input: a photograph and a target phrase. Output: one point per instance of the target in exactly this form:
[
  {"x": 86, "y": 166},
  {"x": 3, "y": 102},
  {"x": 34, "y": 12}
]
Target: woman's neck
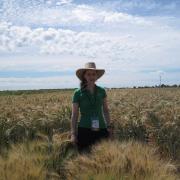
[{"x": 91, "y": 87}]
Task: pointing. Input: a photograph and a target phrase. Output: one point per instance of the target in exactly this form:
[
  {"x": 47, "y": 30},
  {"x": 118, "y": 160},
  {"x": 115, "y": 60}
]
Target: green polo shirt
[{"x": 90, "y": 105}]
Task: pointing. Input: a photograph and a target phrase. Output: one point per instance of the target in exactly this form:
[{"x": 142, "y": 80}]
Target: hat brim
[{"x": 80, "y": 72}]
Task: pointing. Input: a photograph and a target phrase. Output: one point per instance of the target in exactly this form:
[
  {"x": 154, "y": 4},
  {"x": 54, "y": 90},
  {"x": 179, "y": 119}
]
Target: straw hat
[{"x": 89, "y": 66}]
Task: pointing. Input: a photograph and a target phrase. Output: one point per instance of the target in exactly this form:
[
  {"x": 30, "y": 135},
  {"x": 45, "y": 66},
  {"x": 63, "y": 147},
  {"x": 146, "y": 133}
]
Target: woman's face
[{"x": 90, "y": 76}]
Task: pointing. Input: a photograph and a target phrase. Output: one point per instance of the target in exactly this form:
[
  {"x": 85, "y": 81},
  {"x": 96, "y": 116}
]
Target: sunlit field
[{"x": 35, "y": 137}]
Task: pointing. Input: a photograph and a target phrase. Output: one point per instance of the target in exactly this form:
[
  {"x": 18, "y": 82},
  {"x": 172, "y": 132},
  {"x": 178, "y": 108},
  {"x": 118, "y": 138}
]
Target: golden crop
[{"x": 37, "y": 125}]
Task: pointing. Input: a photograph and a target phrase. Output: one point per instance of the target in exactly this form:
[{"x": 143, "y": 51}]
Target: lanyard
[{"x": 93, "y": 103}]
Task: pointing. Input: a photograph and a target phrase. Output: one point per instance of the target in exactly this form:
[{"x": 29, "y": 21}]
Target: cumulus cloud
[
  {"x": 59, "y": 41},
  {"x": 128, "y": 49}
]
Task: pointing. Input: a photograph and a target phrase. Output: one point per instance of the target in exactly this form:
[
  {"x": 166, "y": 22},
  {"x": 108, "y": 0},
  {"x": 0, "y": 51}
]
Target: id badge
[{"x": 95, "y": 123}]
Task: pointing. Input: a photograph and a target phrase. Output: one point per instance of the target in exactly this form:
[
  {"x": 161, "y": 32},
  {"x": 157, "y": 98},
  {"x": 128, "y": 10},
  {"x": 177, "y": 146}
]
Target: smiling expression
[{"x": 90, "y": 76}]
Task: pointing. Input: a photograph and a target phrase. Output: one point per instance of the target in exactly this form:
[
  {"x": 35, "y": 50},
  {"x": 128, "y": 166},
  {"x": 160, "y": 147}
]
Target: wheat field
[{"x": 35, "y": 137}]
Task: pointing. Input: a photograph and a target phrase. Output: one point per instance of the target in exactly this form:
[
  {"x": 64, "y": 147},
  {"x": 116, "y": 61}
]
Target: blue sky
[{"x": 43, "y": 42}]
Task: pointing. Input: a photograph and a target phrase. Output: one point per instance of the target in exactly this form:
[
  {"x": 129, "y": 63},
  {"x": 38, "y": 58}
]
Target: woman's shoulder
[
  {"x": 100, "y": 88},
  {"x": 76, "y": 95},
  {"x": 77, "y": 91}
]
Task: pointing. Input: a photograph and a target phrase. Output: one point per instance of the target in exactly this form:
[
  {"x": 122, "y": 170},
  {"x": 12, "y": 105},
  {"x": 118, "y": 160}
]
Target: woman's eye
[{"x": 90, "y": 75}]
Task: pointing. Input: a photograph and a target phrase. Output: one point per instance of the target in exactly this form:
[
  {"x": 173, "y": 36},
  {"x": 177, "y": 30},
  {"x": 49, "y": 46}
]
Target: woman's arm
[
  {"x": 106, "y": 112},
  {"x": 107, "y": 118},
  {"x": 74, "y": 119}
]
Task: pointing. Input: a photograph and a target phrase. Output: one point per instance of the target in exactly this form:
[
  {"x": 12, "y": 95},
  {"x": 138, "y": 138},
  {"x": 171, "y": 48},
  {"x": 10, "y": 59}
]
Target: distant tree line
[
  {"x": 20, "y": 92},
  {"x": 35, "y": 91},
  {"x": 159, "y": 86}
]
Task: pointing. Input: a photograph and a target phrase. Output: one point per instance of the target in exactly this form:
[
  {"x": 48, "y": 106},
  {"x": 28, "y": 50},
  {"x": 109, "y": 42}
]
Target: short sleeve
[
  {"x": 75, "y": 98},
  {"x": 104, "y": 93}
]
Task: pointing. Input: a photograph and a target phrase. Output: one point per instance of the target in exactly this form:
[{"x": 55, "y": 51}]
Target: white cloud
[
  {"x": 139, "y": 6},
  {"x": 160, "y": 72},
  {"x": 89, "y": 14},
  {"x": 118, "y": 79},
  {"x": 38, "y": 83},
  {"x": 85, "y": 14},
  {"x": 63, "y": 2},
  {"x": 70, "y": 15},
  {"x": 115, "y": 17},
  {"x": 59, "y": 41},
  {"x": 117, "y": 50},
  {"x": 41, "y": 63}
]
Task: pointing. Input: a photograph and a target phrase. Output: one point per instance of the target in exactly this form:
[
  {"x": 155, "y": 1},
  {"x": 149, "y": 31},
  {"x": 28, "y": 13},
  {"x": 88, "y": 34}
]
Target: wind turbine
[{"x": 160, "y": 73}]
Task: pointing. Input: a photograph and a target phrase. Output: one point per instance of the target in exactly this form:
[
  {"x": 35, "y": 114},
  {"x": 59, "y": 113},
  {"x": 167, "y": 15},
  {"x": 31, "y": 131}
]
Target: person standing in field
[{"x": 91, "y": 100}]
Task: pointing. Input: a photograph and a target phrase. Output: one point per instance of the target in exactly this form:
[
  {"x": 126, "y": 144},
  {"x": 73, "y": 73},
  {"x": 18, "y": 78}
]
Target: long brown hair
[{"x": 83, "y": 83}]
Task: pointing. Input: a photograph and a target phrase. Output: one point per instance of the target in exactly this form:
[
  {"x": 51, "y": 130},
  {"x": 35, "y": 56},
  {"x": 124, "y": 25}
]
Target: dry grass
[
  {"x": 151, "y": 116},
  {"x": 37, "y": 160},
  {"x": 115, "y": 160},
  {"x": 21, "y": 163}
]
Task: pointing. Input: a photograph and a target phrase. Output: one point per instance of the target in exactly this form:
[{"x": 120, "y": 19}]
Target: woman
[{"x": 91, "y": 99}]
